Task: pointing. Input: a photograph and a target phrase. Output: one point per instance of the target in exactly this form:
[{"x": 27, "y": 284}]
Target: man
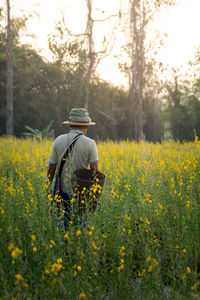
[{"x": 83, "y": 155}]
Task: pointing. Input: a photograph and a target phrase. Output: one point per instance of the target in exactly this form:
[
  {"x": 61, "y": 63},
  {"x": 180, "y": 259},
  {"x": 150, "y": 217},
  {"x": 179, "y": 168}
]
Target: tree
[
  {"x": 179, "y": 112},
  {"x": 40, "y": 90},
  {"x": 87, "y": 41},
  {"x": 9, "y": 86},
  {"x": 141, "y": 67},
  {"x": 9, "y": 37},
  {"x": 152, "y": 120},
  {"x": 137, "y": 32},
  {"x": 108, "y": 109},
  {"x": 3, "y": 72},
  {"x": 193, "y": 106}
]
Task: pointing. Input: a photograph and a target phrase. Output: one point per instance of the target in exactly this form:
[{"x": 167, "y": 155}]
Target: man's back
[{"x": 83, "y": 153}]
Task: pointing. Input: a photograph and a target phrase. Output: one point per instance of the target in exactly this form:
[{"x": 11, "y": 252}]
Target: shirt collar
[{"x": 76, "y": 130}]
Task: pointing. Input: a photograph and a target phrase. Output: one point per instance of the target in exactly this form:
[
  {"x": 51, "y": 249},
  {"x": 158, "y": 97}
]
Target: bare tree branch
[
  {"x": 69, "y": 32},
  {"x": 106, "y": 52},
  {"x": 106, "y": 19},
  {"x": 107, "y": 116},
  {"x": 93, "y": 57}
]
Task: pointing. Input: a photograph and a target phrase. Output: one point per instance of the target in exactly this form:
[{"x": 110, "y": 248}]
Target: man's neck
[{"x": 77, "y": 130}]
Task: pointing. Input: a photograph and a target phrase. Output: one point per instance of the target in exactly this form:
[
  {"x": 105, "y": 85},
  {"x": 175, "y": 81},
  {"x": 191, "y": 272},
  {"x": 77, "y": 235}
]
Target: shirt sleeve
[
  {"x": 93, "y": 153},
  {"x": 54, "y": 156}
]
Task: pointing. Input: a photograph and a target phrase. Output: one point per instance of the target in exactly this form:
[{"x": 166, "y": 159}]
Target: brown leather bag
[{"x": 87, "y": 186}]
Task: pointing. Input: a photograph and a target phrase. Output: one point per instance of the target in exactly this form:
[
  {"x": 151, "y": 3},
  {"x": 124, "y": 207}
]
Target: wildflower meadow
[{"x": 144, "y": 243}]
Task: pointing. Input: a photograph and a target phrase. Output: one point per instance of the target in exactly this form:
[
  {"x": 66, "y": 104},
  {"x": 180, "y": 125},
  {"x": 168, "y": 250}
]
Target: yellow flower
[
  {"x": 56, "y": 268},
  {"x": 150, "y": 268},
  {"x": 148, "y": 259},
  {"x": 82, "y": 295},
  {"x": 94, "y": 245},
  {"x": 194, "y": 286},
  {"x": 79, "y": 268},
  {"x": 19, "y": 277},
  {"x": 78, "y": 233},
  {"x": 121, "y": 251},
  {"x": 121, "y": 267},
  {"x": 52, "y": 242},
  {"x": 50, "y": 198},
  {"x": 74, "y": 266},
  {"x": 33, "y": 237},
  {"x": 92, "y": 228},
  {"x": 90, "y": 233},
  {"x": 147, "y": 221},
  {"x": 141, "y": 273},
  {"x": 188, "y": 269},
  {"x": 66, "y": 235},
  {"x": 34, "y": 249},
  {"x": 11, "y": 247},
  {"x": 59, "y": 260},
  {"x": 16, "y": 252},
  {"x": 72, "y": 200},
  {"x": 75, "y": 273},
  {"x": 155, "y": 261}
]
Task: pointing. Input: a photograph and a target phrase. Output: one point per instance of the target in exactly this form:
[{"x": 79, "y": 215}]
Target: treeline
[{"x": 45, "y": 91}]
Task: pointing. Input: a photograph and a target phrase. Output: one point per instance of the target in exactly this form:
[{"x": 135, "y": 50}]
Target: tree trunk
[
  {"x": 132, "y": 115},
  {"x": 140, "y": 135},
  {"x": 9, "y": 86},
  {"x": 137, "y": 23},
  {"x": 91, "y": 52}
]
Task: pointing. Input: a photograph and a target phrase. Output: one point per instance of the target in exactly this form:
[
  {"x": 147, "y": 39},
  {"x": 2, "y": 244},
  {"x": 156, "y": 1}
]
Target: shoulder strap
[{"x": 68, "y": 150}]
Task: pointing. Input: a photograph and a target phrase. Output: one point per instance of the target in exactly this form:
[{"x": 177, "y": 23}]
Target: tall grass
[{"x": 144, "y": 244}]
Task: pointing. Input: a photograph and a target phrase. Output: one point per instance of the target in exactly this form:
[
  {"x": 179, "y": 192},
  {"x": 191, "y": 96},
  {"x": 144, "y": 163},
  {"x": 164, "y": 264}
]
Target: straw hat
[{"x": 79, "y": 117}]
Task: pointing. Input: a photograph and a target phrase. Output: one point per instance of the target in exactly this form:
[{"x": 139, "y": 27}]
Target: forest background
[{"x": 157, "y": 102}]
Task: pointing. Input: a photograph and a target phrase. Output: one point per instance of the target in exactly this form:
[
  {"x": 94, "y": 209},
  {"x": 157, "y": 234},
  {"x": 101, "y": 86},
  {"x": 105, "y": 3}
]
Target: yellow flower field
[{"x": 143, "y": 244}]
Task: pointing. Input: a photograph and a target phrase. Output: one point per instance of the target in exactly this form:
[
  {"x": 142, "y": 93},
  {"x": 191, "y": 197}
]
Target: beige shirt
[{"x": 83, "y": 153}]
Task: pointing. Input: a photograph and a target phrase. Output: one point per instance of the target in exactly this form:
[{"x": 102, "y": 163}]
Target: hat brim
[{"x": 78, "y": 123}]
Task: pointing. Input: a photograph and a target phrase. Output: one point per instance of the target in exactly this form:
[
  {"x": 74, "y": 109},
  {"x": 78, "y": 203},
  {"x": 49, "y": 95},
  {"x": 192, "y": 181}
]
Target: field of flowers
[{"x": 144, "y": 244}]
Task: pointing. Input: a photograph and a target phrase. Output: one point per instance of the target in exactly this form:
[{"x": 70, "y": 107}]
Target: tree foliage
[
  {"x": 45, "y": 91},
  {"x": 183, "y": 110}
]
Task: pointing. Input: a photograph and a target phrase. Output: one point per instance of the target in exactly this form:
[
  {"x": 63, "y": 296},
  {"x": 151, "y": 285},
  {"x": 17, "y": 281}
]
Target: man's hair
[{"x": 78, "y": 126}]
